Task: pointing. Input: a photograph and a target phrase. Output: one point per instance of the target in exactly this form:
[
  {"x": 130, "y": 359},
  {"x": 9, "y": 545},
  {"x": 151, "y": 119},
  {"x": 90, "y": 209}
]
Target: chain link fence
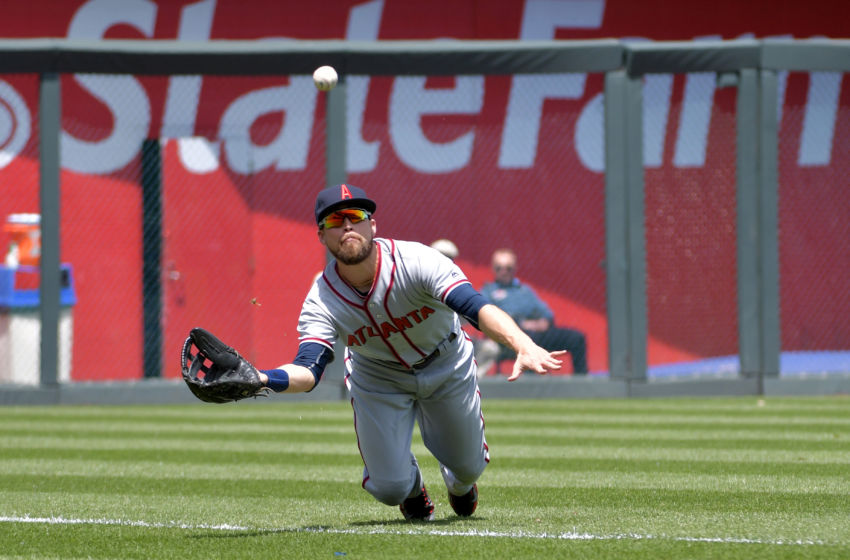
[
  {"x": 814, "y": 232},
  {"x": 690, "y": 213},
  {"x": 210, "y": 222},
  {"x": 467, "y": 179}
]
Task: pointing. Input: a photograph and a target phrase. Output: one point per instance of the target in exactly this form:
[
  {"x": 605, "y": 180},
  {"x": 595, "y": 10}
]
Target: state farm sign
[{"x": 214, "y": 123}]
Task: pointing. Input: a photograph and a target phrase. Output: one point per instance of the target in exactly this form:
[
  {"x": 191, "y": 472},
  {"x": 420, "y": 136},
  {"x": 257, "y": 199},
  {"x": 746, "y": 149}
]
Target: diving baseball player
[{"x": 396, "y": 305}]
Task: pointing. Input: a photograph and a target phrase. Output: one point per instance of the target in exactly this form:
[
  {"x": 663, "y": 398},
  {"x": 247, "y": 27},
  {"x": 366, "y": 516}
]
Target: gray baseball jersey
[
  {"x": 407, "y": 359},
  {"x": 402, "y": 319}
]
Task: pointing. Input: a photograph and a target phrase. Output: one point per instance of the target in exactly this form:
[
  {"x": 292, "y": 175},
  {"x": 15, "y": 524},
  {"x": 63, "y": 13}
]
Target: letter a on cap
[{"x": 344, "y": 192}]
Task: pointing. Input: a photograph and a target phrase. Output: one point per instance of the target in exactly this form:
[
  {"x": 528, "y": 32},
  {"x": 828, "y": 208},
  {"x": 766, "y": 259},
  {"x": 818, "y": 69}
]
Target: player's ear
[{"x": 321, "y": 234}]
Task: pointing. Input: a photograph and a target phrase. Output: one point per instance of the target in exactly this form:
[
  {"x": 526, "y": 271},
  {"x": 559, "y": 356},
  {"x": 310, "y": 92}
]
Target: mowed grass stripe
[
  {"x": 832, "y": 406},
  {"x": 831, "y": 435},
  {"x": 274, "y": 458},
  {"x": 345, "y": 469},
  {"x": 536, "y": 496},
  {"x": 262, "y": 503},
  {"x": 136, "y": 427},
  {"x": 115, "y": 441},
  {"x": 154, "y": 423},
  {"x": 185, "y": 486},
  {"x": 530, "y": 418},
  {"x": 660, "y": 453},
  {"x": 563, "y": 429},
  {"x": 817, "y": 450},
  {"x": 706, "y": 466},
  {"x": 819, "y": 432},
  {"x": 690, "y": 500},
  {"x": 292, "y": 457},
  {"x": 792, "y": 410},
  {"x": 693, "y": 421},
  {"x": 836, "y": 445},
  {"x": 829, "y": 442},
  {"x": 545, "y": 450},
  {"x": 170, "y": 414},
  {"x": 338, "y": 435}
]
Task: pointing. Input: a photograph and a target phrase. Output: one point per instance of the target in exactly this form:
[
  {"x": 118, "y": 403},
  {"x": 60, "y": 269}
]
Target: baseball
[{"x": 325, "y": 78}]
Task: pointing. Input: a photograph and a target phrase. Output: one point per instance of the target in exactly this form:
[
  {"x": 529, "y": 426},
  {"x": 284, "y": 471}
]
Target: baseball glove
[{"x": 227, "y": 376}]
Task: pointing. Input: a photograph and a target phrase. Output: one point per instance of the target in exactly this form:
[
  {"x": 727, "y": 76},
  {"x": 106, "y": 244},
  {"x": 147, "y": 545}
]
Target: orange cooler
[{"x": 25, "y": 230}]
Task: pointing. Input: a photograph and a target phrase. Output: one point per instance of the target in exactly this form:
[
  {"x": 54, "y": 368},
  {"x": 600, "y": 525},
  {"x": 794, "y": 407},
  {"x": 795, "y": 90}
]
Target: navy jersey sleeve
[
  {"x": 466, "y": 302},
  {"x": 314, "y": 357}
]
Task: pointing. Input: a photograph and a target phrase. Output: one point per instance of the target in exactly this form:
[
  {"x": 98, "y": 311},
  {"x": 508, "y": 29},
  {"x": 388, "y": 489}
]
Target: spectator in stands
[
  {"x": 530, "y": 312},
  {"x": 446, "y": 247}
]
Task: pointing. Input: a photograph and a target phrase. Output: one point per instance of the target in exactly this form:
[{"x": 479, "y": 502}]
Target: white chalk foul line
[{"x": 423, "y": 530}]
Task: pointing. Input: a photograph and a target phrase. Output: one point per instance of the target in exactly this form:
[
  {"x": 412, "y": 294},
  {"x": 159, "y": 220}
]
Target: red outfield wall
[{"x": 470, "y": 172}]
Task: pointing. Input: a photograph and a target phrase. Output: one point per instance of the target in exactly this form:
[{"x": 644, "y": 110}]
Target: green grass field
[{"x": 654, "y": 479}]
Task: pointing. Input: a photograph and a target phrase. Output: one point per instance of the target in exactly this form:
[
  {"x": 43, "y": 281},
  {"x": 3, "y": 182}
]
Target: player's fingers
[
  {"x": 517, "y": 371},
  {"x": 546, "y": 367},
  {"x": 553, "y": 363}
]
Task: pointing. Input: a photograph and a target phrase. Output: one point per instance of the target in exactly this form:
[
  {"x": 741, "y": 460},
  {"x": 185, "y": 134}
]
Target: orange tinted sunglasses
[{"x": 336, "y": 219}]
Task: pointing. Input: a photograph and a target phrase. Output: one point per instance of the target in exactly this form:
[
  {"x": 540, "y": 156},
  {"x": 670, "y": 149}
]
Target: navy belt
[{"x": 423, "y": 363}]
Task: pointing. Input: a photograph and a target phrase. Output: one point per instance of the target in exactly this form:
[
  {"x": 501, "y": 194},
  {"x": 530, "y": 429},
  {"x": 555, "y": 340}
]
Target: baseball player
[{"x": 396, "y": 306}]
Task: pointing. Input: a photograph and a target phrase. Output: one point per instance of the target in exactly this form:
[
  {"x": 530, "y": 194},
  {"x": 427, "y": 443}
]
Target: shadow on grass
[
  {"x": 358, "y": 527},
  {"x": 401, "y": 522}
]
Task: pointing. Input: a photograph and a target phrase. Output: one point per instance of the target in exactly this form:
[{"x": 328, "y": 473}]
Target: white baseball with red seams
[
  {"x": 325, "y": 78},
  {"x": 388, "y": 332}
]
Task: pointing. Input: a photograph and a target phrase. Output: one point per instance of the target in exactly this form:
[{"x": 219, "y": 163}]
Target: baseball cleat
[
  {"x": 418, "y": 508},
  {"x": 465, "y": 505}
]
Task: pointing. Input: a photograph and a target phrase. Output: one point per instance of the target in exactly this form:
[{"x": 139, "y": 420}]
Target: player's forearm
[
  {"x": 300, "y": 378},
  {"x": 499, "y": 326}
]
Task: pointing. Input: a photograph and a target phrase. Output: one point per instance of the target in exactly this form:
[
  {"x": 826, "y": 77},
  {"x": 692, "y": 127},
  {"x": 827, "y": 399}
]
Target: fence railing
[{"x": 754, "y": 70}]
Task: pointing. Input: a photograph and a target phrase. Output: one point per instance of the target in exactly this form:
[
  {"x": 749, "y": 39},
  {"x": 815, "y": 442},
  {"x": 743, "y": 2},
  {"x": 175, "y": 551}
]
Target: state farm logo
[
  {"x": 213, "y": 123},
  {"x": 14, "y": 123}
]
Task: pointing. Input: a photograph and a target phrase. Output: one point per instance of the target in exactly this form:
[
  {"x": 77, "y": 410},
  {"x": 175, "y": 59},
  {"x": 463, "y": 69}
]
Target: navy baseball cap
[{"x": 338, "y": 197}]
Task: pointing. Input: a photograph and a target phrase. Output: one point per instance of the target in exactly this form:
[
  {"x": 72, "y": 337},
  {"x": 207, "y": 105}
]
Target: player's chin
[{"x": 352, "y": 252}]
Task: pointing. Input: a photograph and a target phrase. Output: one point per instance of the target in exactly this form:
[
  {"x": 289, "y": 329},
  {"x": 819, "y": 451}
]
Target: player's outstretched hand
[{"x": 536, "y": 359}]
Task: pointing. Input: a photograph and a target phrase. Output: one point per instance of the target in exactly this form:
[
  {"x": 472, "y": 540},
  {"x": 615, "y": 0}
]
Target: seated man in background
[{"x": 530, "y": 312}]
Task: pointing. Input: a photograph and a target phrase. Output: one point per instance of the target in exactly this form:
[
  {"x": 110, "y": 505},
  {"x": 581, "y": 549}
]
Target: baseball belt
[{"x": 423, "y": 363}]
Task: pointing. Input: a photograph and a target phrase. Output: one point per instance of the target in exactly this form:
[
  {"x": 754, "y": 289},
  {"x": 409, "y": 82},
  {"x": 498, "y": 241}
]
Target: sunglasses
[
  {"x": 500, "y": 267},
  {"x": 336, "y": 219}
]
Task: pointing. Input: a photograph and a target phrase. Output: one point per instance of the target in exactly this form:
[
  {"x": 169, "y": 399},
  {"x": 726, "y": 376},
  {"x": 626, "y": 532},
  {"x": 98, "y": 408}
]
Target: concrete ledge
[
  {"x": 732, "y": 387},
  {"x": 153, "y": 391},
  {"x": 158, "y": 391},
  {"x": 833, "y": 384},
  {"x": 556, "y": 387}
]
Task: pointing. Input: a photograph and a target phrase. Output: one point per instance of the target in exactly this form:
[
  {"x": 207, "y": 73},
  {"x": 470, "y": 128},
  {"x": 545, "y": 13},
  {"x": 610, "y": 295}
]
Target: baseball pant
[{"x": 443, "y": 399}]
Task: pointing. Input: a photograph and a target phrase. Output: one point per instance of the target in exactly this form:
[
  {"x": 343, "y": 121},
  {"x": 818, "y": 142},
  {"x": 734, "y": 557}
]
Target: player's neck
[{"x": 360, "y": 276}]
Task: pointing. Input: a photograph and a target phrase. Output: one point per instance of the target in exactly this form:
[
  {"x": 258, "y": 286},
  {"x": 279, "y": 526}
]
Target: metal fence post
[
  {"x": 747, "y": 169},
  {"x": 49, "y": 116},
  {"x": 636, "y": 237},
  {"x": 769, "y": 223},
  {"x": 758, "y": 260},
  {"x": 616, "y": 206},
  {"x": 152, "y": 256},
  {"x": 624, "y": 224}
]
